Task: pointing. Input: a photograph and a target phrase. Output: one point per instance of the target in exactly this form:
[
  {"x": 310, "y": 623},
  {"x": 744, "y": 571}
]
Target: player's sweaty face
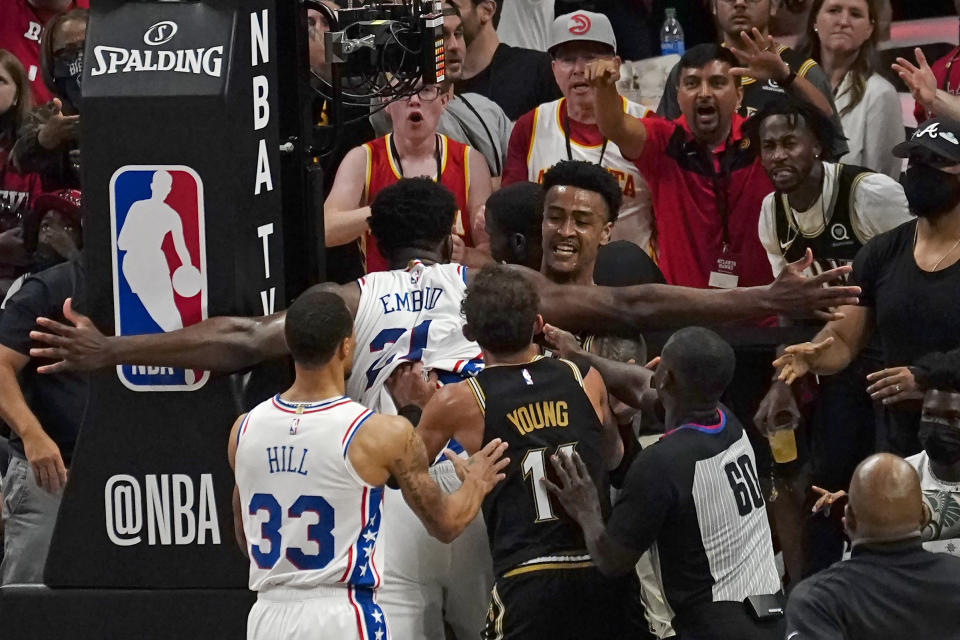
[{"x": 574, "y": 226}]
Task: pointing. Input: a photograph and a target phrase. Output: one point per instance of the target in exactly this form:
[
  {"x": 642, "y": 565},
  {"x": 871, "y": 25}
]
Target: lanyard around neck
[
  {"x": 396, "y": 157},
  {"x": 566, "y": 136}
]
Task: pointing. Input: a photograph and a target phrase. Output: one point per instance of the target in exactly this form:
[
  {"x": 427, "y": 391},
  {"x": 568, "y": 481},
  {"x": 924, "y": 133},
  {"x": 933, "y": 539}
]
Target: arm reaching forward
[
  {"x": 222, "y": 345},
  {"x": 624, "y": 130},
  {"x": 388, "y": 446}
]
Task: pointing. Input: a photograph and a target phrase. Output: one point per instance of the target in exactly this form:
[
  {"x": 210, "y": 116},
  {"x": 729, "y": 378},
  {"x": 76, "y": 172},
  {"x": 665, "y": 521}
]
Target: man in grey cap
[{"x": 567, "y": 128}]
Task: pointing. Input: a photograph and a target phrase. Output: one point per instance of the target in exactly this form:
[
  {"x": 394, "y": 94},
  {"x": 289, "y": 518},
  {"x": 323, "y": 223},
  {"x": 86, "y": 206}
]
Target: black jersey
[
  {"x": 537, "y": 408},
  {"x": 838, "y": 242}
]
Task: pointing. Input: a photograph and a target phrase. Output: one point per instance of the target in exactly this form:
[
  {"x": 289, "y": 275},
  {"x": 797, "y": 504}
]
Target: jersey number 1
[{"x": 534, "y": 467}]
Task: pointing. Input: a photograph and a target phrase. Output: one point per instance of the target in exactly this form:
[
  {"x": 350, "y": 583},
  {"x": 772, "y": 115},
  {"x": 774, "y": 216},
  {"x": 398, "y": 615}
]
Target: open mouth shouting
[
  {"x": 566, "y": 250},
  {"x": 707, "y": 115},
  {"x": 415, "y": 116}
]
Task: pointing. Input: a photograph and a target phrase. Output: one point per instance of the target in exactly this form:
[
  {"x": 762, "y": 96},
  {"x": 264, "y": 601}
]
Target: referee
[{"x": 692, "y": 498}]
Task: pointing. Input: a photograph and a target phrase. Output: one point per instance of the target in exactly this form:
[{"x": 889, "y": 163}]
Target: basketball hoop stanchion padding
[{"x": 180, "y": 163}]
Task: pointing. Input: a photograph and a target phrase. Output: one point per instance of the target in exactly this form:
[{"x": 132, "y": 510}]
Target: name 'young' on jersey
[
  {"x": 538, "y": 409},
  {"x": 309, "y": 519},
  {"x": 406, "y": 315}
]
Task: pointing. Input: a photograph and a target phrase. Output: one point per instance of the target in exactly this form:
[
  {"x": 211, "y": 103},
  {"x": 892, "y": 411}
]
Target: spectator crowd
[{"x": 762, "y": 166}]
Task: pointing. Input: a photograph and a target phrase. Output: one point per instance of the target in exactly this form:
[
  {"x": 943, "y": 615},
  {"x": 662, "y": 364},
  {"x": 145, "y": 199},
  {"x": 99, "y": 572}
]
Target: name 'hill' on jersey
[{"x": 538, "y": 408}]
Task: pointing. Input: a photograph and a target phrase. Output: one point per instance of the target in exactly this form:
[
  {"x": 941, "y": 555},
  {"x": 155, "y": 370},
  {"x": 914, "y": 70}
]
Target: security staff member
[{"x": 692, "y": 498}]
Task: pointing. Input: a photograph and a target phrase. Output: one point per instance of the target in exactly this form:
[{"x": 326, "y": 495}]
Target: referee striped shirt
[{"x": 694, "y": 499}]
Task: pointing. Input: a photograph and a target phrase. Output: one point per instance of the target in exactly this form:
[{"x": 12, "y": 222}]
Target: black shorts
[{"x": 564, "y": 603}]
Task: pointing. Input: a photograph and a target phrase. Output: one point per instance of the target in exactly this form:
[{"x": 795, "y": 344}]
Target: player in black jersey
[{"x": 546, "y": 585}]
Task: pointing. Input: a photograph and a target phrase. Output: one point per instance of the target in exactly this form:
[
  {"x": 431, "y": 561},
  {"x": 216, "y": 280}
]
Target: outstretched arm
[
  {"x": 614, "y": 309},
  {"x": 922, "y": 83},
  {"x": 624, "y": 130},
  {"x": 831, "y": 350},
  {"x": 223, "y": 344},
  {"x": 388, "y": 445}
]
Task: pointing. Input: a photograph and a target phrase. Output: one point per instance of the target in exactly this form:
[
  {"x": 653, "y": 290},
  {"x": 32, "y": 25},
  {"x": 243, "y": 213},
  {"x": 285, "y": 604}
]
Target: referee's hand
[{"x": 574, "y": 488}]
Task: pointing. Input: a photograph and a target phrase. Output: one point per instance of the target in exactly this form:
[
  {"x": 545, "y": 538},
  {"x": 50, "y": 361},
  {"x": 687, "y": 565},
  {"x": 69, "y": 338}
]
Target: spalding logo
[{"x": 579, "y": 24}]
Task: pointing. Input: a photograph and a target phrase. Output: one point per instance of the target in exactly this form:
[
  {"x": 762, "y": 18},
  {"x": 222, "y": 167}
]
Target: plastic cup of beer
[{"x": 783, "y": 441}]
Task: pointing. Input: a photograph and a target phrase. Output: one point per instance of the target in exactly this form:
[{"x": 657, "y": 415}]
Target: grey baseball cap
[{"x": 586, "y": 26}]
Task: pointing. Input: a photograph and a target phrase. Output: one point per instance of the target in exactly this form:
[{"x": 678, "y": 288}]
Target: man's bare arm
[
  {"x": 831, "y": 350},
  {"x": 222, "y": 345},
  {"x": 611, "y": 442},
  {"x": 451, "y": 413},
  {"x": 388, "y": 446},
  {"x": 647, "y": 306},
  {"x": 344, "y": 212},
  {"x": 626, "y": 131},
  {"x": 238, "y": 532}
]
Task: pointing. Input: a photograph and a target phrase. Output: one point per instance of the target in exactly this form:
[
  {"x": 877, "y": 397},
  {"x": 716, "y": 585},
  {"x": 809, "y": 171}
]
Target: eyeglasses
[
  {"x": 427, "y": 93},
  {"x": 568, "y": 62}
]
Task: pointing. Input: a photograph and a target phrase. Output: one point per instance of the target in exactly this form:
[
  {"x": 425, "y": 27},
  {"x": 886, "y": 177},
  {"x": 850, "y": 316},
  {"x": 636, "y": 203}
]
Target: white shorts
[
  {"x": 425, "y": 581},
  {"x": 317, "y": 613}
]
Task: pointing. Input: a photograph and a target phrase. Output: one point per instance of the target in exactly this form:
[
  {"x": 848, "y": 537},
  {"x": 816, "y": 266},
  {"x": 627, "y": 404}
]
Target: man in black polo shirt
[
  {"x": 890, "y": 587},
  {"x": 693, "y": 498},
  {"x": 44, "y": 413}
]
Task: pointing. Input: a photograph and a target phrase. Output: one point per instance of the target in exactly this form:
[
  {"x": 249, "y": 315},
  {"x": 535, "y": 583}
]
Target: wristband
[
  {"x": 788, "y": 80},
  {"x": 411, "y": 412}
]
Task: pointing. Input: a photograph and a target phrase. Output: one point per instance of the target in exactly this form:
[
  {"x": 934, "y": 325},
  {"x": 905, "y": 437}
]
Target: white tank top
[
  {"x": 548, "y": 146},
  {"x": 408, "y": 315},
  {"x": 308, "y": 517}
]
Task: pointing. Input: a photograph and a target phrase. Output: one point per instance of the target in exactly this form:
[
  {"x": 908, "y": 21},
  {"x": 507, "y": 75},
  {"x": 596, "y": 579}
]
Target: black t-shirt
[
  {"x": 895, "y": 591},
  {"x": 622, "y": 263},
  {"x": 517, "y": 79},
  {"x": 536, "y": 408},
  {"x": 696, "y": 497},
  {"x": 916, "y": 312},
  {"x": 60, "y": 400}
]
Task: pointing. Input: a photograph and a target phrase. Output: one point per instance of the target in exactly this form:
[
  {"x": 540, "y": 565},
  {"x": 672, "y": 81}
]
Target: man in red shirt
[
  {"x": 707, "y": 185},
  {"x": 21, "y": 22}
]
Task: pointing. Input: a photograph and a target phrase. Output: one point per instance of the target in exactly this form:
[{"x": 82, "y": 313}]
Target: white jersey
[
  {"x": 309, "y": 519},
  {"x": 408, "y": 315},
  {"x": 548, "y": 145}
]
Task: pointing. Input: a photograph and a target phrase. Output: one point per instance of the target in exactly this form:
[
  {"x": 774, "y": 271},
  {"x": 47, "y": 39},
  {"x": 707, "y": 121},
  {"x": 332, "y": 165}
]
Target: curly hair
[
  {"x": 865, "y": 64},
  {"x": 940, "y": 371},
  {"x": 315, "y": 325},
  {"x": 412, "y": 213},
  {"x": 797, "y": 114},
  {"x": 589, "y": 176},
  {"x": 500, "y": 309}
]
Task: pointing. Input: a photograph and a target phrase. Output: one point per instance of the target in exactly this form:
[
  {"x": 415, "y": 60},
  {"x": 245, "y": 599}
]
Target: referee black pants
[{"x": 725, "y": 621}]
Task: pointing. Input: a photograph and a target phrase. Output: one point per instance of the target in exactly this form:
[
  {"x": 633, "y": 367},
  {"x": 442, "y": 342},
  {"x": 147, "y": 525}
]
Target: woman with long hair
[
  {"x": 49, "y": 141},
  {"x": 842, "y": 37},
  {"x": 16, "y": 189}
]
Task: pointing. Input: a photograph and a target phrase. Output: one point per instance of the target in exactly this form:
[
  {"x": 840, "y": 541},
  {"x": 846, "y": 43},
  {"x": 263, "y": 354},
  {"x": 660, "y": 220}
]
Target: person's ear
[
  {"x": 605, "y": 233},
  {"x": 925, "y": 516},
  {"x": 849, "y": 521},
  {"x": 774, "y": 5},
  {"x": 538, "y": 325},
  {"x": 518, "y": 246},
  {"x": 444, "y": 98},
  {"x": 446, "y": 249},
  {"x": 817, "y": 150},
  {"x": 488, "y": 10},
  {"x": 346, "y": 348}
]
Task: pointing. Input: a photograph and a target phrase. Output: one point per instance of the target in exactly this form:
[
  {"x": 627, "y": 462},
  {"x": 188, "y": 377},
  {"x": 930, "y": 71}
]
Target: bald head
[
  {"x": 698, "y": 365},
  {"x": 885, "y": 500}
]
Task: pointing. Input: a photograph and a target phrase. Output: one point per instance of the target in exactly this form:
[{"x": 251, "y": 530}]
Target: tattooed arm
[{"x": 388, "y": 446}]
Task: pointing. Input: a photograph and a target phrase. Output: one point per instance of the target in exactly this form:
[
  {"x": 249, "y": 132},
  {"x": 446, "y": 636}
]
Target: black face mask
[
  {"x": 930, "y": 192},
  {"x": 67, "y": 71},
  {"x": 941, "y": 443}
]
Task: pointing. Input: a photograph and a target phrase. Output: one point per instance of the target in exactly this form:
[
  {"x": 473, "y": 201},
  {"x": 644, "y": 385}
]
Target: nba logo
[{"x": 159, "y": 264}]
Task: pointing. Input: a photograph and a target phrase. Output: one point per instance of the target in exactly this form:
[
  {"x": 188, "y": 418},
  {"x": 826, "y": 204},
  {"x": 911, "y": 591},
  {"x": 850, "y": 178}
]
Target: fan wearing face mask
[
  {"x": 49, "y": 141},
  {"x": 910, "y": 277},
  {"x": 938, "y": 465}
]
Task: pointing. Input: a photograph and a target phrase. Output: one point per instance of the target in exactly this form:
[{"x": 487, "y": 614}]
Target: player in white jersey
[
  {"x": 411, "y": 220},
  {"x": 310, "y": 466}
]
